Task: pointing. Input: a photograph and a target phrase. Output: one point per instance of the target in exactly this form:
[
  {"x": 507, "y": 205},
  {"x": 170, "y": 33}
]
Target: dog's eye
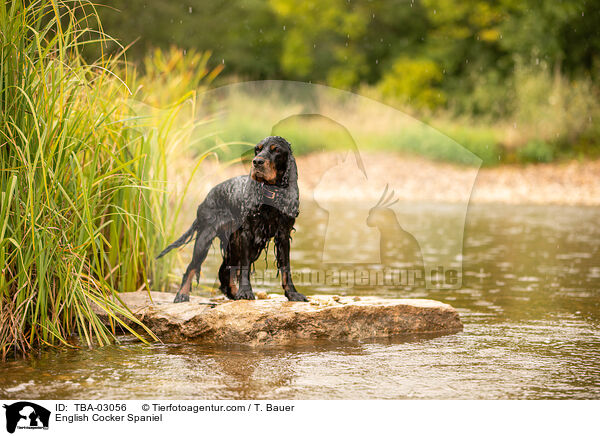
[{"x": 273, "y": 149}]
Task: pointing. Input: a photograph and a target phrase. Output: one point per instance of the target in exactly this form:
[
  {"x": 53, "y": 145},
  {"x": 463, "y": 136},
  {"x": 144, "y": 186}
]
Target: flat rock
[{"x": 272, "y": 320}]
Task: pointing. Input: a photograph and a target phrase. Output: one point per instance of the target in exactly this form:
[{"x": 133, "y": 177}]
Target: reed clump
[{"x": 82, "y": 187}]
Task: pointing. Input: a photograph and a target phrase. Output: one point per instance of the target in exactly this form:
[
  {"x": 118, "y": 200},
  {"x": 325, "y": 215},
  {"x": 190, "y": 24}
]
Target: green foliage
[
  {"x": 482, "y": 141},
  {"x": 171, "y": 75},
  {"x": 554, "y": 106},
  {"x": 320, "y": 40},
  {"x": 536, "y": 151},
  {"x": 494, "y": 62},
  {"x": 244, "y": 35},
  {"x": 312, "y": 40},
  {"x": 83, "y": 205},
  {"x": 413, "y": 82},
  {"x": 492, "y": 97}
]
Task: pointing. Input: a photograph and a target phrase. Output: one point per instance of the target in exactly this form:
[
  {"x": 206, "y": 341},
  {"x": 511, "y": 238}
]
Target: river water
[{"x": 529, "y": 301}]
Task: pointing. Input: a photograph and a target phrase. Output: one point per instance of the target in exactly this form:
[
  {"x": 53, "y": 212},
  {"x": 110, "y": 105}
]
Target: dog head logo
[{"x": 26, "y": 415}]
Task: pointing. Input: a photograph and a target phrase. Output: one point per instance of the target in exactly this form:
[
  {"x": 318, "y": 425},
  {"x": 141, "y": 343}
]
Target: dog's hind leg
[{"x": 201, "y": 247}]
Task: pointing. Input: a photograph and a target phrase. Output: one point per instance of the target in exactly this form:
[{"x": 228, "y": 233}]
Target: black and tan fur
[{"x": 245, "y": 213}]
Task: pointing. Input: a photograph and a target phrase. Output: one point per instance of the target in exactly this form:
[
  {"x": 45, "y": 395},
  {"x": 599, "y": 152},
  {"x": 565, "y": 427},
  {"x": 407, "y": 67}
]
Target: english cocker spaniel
[{"x": 245, "y": 212}]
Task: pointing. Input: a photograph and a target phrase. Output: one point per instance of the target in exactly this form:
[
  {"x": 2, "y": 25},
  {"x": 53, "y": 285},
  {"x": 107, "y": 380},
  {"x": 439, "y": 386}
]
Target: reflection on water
[{"x": 530, "y": 302}]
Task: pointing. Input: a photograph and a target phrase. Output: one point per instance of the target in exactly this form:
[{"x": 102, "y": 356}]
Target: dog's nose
[{"x": 258, "y": 161}]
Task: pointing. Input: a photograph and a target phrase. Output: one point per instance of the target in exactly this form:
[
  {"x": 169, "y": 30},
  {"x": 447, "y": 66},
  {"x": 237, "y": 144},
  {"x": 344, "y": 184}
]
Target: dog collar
[{"x": 269, "y": 192}]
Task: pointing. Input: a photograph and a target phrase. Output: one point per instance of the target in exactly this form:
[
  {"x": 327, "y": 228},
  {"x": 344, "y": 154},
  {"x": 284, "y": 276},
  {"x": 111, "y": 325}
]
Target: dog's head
[
  {"x": 275, "y": 166},
  {"x": 273, "y": 161}
]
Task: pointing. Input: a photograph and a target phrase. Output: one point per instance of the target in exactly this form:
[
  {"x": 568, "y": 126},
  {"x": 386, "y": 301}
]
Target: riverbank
[
  {"x": 419, "y": 179},
  {"x": 325, "y": 176}
]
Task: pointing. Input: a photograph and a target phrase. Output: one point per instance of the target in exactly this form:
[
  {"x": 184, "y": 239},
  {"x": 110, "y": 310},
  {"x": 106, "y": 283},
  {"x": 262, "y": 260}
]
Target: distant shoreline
[{"x": 418, "y": 179}]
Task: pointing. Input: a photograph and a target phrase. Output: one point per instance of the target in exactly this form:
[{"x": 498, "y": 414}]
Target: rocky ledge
[{"x": 272, "y": 320}]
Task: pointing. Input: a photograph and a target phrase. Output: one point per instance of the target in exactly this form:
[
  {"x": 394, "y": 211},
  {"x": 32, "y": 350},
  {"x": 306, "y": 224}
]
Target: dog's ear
[
  {"x": 290, "y": 176},
  {"x": 290, "y": 183}
]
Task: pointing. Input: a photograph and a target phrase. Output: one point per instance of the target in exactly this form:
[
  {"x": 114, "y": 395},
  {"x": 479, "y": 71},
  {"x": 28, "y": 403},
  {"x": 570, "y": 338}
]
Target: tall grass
[
  {"x": 82, "y": 199},
  {"x": 164, "y": 113}
]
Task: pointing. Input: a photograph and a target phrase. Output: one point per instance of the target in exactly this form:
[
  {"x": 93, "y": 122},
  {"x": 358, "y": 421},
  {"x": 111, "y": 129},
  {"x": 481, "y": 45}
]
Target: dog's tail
[{"x": 183, "y": 239}]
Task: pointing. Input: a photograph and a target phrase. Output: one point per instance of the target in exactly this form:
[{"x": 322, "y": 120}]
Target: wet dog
[{"x": 245, "y": 213}]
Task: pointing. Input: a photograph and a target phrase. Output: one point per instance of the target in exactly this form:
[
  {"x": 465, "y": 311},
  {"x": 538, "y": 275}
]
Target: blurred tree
[
  {"x": 414, "y": 82},
  {"x": 479, "y": 43},
  {"x": 465, "y": 41},
  {"x": 241, "y": 34},
  {"x": 344, "y": 43},
  {"x": 320, "y": 40},
  {"x": 462, "y": 54},
  {"x": 581, "y": 40}
]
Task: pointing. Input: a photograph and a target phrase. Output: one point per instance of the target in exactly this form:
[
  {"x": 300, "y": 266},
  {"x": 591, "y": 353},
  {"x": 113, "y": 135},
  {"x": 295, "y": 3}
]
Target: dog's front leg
[
  {"x": 245, "y": 288},
  {"x": 282, "y": 246}
]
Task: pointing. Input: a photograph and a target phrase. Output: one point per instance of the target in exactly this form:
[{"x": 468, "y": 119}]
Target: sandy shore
[
  {"x": 418, "y": 179},
  {"x": 333, "y": 176}
]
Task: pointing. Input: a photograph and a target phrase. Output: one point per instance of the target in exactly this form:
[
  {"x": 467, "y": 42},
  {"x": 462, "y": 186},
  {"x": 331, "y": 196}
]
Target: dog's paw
[
  {"x": 295, "y": 296},
  {"x": 180, "y": 298},
  {"x": 245, "y": 294}
]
